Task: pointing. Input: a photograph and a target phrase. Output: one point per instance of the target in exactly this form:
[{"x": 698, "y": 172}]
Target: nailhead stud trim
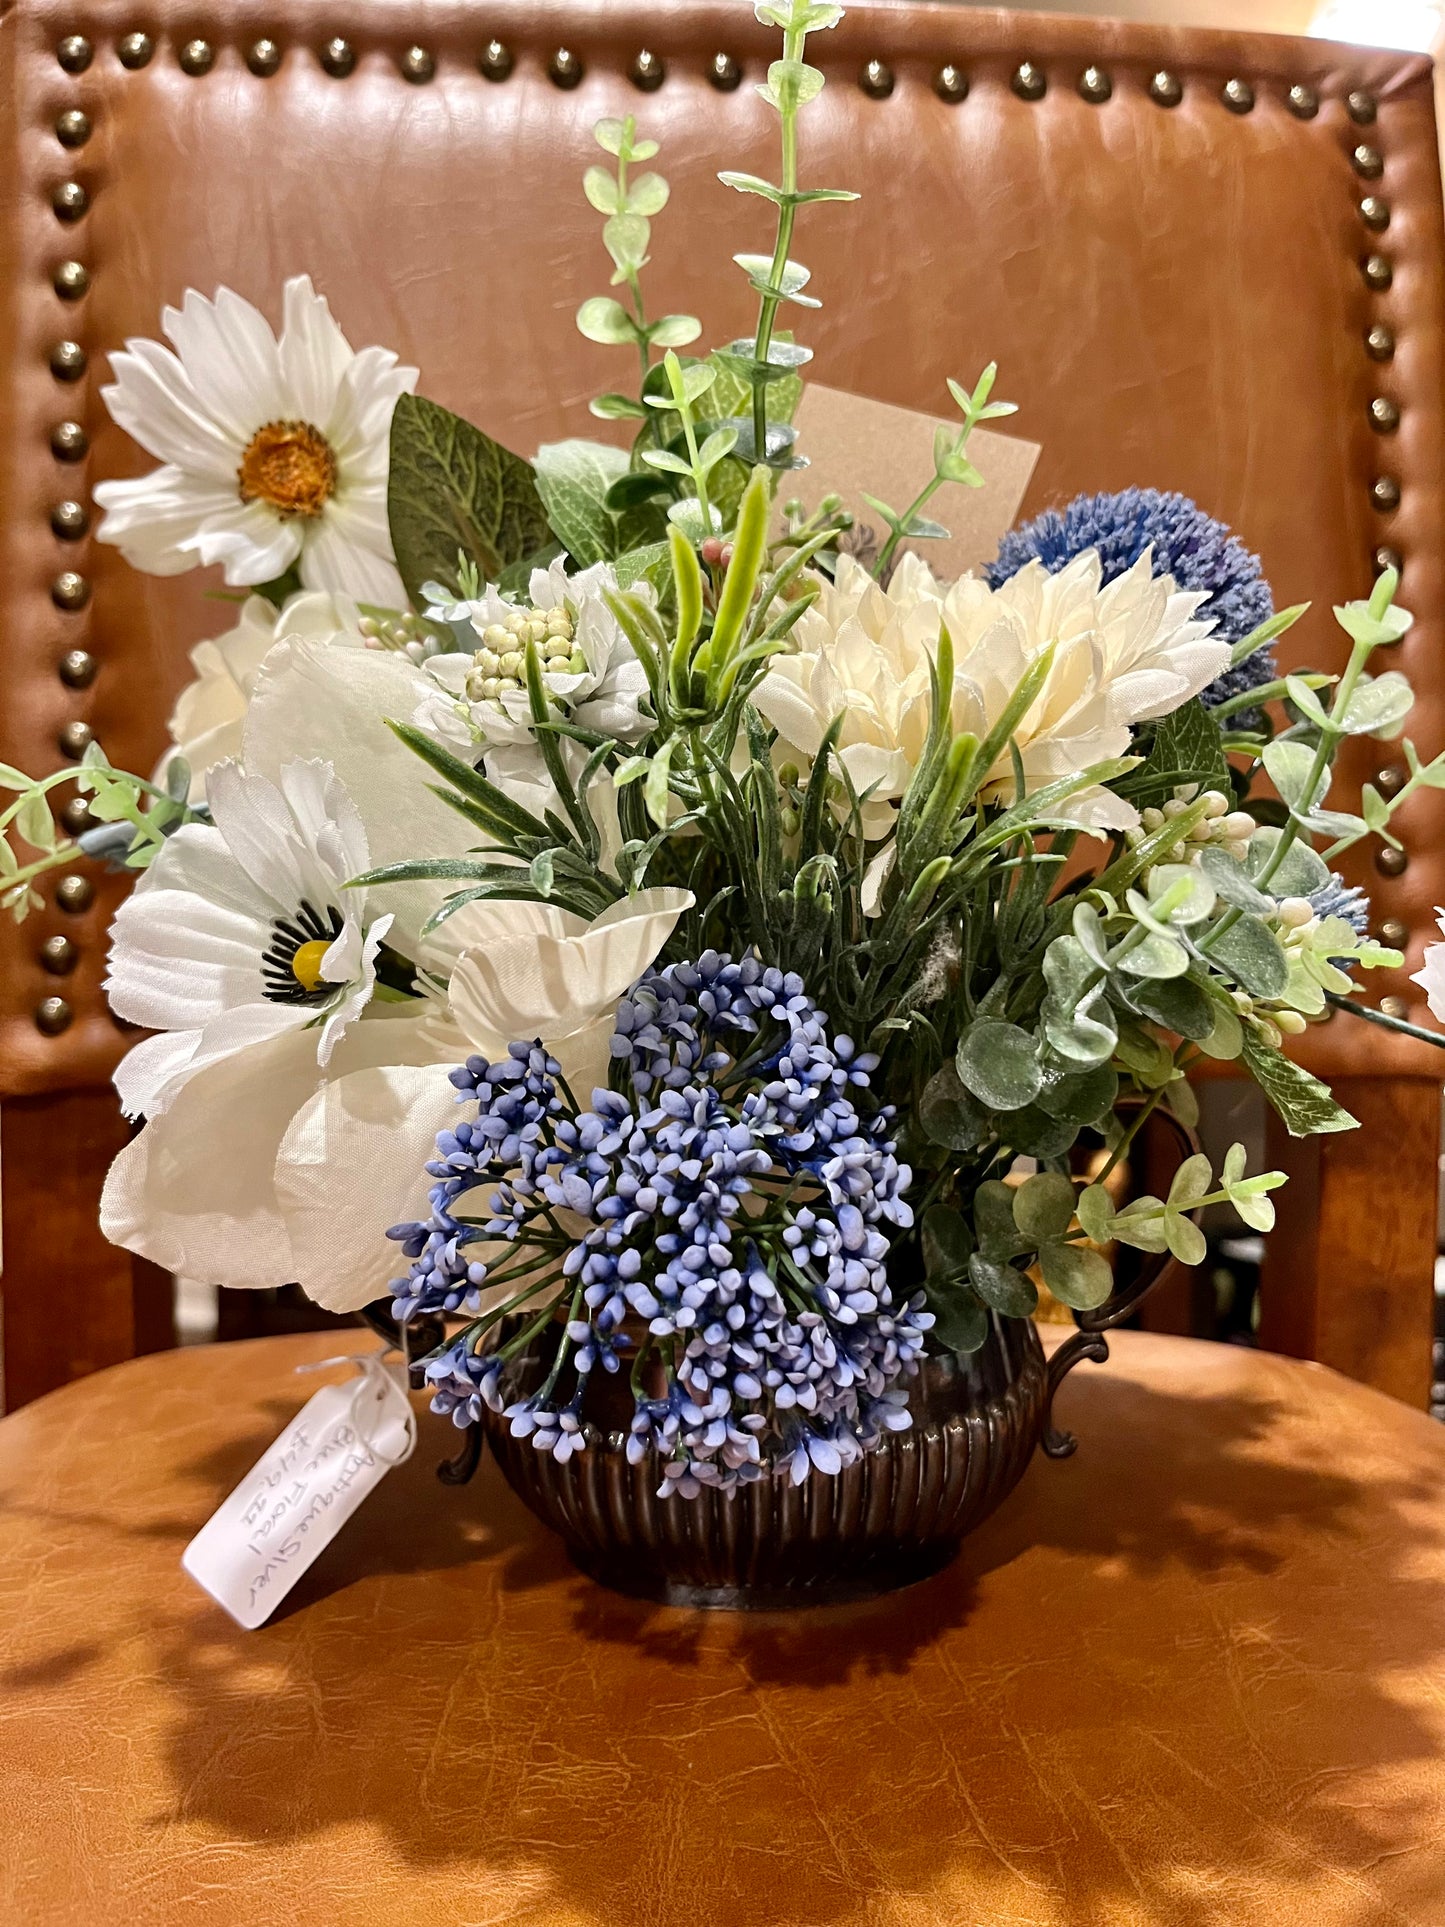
[
  {"x": 58, "y": 954},
  {"x": 1378, "y": 271},
  {"x": 70, "y": 521},
  {"x": 950, "y": 83},
  {"x": 1361, "y": 107},
  {"x": 1029, "y": 80},
  {"x": 74, "y": 894},
  {"x": 1380, "y": 342},
  {"x": 338, "y": 59},
  {"x": 724, "y": 73},
  {"x": 565, "y": 68},
  {"x": 496, "y": 60},
  {"x": 1303, "y": 102},
  {"x": 69, "y": 590},
  {"x": 75, "y": 738},
  {"x": 78, "y": 669},
  {"x": 1237, "y": 95},
  {"x": 648, "y": 71},
  {"x": 69, "y": 442},
  {"x": 197, "y": 57},
  {"x": 68, "y": 361},
  {"x": 263, "y": 57},
  {"x": 70, "y": 201},
  {"x": 74, "y": 53},
  {"x": 1385, "y": 494},
  {"x": 134, "y": 50},
  {"x": 73, "y": 128},
  {"x": 52, "y": 1016},
  {"x": 1095, "y": 86},
  {"x": 1384, "y": 415},
  {"x": 418, "y": 66},
  {"x": 1391, "y": 863},
  {"x": 1166, "y": 89}
]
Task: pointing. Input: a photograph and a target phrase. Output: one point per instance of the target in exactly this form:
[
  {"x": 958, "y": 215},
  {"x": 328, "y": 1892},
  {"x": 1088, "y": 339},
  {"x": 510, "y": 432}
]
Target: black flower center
[{"x": 291, "y": 964}]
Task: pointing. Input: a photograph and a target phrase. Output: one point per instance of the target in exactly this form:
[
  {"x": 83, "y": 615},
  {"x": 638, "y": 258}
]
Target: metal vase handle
[{"x": 1089, "y": 1340}]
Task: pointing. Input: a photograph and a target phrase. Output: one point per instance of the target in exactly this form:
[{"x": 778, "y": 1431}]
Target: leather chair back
[{"x": 1204, "y": 261}]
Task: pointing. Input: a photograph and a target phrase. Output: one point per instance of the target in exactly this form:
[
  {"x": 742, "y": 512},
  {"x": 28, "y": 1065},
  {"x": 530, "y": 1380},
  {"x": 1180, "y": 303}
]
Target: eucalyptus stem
[{"x": 787, "y": 213}]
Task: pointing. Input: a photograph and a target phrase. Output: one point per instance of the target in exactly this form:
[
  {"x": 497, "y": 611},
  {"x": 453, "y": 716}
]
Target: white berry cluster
[
  {"x": 1229, "y": 828},
  {"x": 501, "y": 661}
]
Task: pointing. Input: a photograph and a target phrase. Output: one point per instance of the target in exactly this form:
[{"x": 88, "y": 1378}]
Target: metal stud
[
  {"x": 1166, "y": 88},
  {"x": 74, "y": 738},
  {"x": 1380, "y": 342},
  {"x": 724, "y": 73},
  {"x": 1378, "y": 271},
  {"x": 69, "y": 442},
  {"x": 71, "y": 280},
  {"x": 1391, "y": 863},
  {"x": 53, "y": 1015},
  {"x": 950, "y": 83},
  {"x": 1303, "y": 102},
  {"x": 1385, "y": 494},
  {"x": 70, "y": 521},
  {"x": 76, "y": 816},
  {"x": 74, "y": 53},
  {"x": 1361, "y": 107},
  {"x": 1387, "y": 558},
  {"x": 78, "y": 669},
  {"x": 1375, "y": 212},
  {"x": 58, "y": 954},
  {"x": 1368, "y": 161},
  {"x": 1384, "y": 415},
  {"x": 876, "y": 79},
  {"x": 648, "y": 72},
  {"x": 263, "y": 57},
  {"x": 1394, "y": 1007},
  {"x": 69, "y": 590},
  {"x": 134, "y": 50},
  {"x": 74, "y": 893},
  {"x": 69, "y": 201},
  {"x": 1390, "y": 780},
  {"x": 1395, "y": 933},
  {"x": 565, "y": 68},
  {"x": 1237, "y": 95},
  {"x": 1029, "y": 81},
  {"x": 68, "y": 361},
  {"x": 496, "y": 60},
  {"x": 338, "y": 58},
  {"x": 1095, "y": 85},
  {"x": 197, "y": 57},
  {"x": 418, "y": 66},
  {"x": 72, "y": 128}
]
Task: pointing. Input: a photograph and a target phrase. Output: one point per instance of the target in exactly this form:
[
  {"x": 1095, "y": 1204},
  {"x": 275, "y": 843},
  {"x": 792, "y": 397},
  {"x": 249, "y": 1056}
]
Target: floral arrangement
[{"x": 586, "y": 900}]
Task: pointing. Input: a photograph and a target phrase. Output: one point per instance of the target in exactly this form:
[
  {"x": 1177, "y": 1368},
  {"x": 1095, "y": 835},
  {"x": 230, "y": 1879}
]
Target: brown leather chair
[{"x": 1205, "y": 261}]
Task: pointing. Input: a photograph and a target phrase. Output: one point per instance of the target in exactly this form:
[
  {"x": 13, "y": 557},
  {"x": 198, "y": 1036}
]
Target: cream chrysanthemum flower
[
  {"x": 1123, "y": 654},
  {"x": 275, "y": 452},
  {"x": 208, "y": 723}
]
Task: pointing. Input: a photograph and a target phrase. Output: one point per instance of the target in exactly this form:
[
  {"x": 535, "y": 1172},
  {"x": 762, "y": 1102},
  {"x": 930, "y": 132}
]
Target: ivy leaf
[
  {"x": 454, "y": 491},
  {"x": 573, "y": 478},
  {"x": 1304, "y": 1103}
]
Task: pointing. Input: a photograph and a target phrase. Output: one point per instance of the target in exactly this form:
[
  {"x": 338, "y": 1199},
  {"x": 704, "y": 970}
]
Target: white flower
[
  {"x": 209, "y": 717},
  {"x": 267, "y": 1170},
  {"x": 1123, "y": 654},
  {"x": 242, "y": 930},
  {"x": 274, "y": 452},
  {"x": 589, "y": 671},
  {"x": 1431, "y": 975}
]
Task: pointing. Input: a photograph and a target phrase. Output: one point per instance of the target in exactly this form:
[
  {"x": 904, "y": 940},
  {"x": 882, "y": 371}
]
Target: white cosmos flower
[
  {"x": 242, "y": 930},
  {"x": 267, "y": 1169},
  {"x": 274, "y": 452},
  {"x": 208, "y": 721},
  {"x": 1431, "y": 974},
  {"x": 1123, "y": 654}
]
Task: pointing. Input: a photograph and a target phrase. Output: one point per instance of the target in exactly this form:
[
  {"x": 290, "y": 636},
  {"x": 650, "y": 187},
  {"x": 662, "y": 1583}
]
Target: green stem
[
  {"x": 1435, "y": 1037},
  {"x": 787, "y": 212},
  {"x": 920, "y": 502}
]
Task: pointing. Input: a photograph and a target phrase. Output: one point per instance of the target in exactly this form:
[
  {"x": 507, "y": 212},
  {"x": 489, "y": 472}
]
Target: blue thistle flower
[
  {"x": 1198, "y": 552},
  {"x": 1346, "y": 901},
  {"x": 732, "y": 1201}
]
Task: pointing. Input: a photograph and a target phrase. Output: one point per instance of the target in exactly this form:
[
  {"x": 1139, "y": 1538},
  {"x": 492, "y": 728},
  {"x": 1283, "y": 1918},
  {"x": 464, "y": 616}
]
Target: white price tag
[{"x": 299, "y": 1494}]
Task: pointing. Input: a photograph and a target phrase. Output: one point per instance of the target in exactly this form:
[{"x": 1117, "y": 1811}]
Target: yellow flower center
[
  {"x": 306, "y": 964},
  {"x": 290, "y": 465}
]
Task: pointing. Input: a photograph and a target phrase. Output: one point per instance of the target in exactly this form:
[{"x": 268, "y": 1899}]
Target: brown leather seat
[
  {"x": 1198, "y": 257},
  {"x": 1193, "y": 1676}
]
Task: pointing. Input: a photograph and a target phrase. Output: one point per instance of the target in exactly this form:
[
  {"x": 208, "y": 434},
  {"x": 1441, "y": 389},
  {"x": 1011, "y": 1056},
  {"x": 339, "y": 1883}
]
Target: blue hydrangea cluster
[
  {"x": 1198, "y": 552},
  {"x": 719, "y": 1222}
]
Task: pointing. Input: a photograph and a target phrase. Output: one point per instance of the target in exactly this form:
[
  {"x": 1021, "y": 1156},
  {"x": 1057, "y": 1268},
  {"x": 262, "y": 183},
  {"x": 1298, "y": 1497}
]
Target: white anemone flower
[
  {"x": 1431, "y": 974},
  {"x": 268, "y": 1170},
  {"x": 275, "y": 451},
  {"x": 242, "y": 930},
  {"x": 208, "y": 722},
  {"x": 1124, "y": 653}
]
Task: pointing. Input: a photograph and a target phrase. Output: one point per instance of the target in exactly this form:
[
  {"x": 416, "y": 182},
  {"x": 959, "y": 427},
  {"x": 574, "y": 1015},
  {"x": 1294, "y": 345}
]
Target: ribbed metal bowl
[{"x": 894, "y": 1518}]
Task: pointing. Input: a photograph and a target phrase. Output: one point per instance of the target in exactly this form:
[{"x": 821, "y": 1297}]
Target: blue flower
[
  {"x": 1340, "y": 899},
  {"x": 730, "y": 1205},
  {"x": 1198, "y": 552}
]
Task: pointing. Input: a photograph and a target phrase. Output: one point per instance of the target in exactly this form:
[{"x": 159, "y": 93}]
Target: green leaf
[
  {"x": 993, "y": 1217},
  {"x": 1044, "y": 1207},
  {"x": 1179, "y": 1005},
  {"x": 573, "y": 479},
  {"x": 1076, "y": 1276},
  {"x": 1000, "y": 1064},
  {"x": 949, "y": 1114},
  {"x": 1080, "y": 1097},
  {"x": 605, "y": 320},
  {"x": 625, "y": 238},
  {"x": 1036, "y": 1134},
  {"x": 600, "y": 187},
  {"x": 1231, "y": 881},
  {"x": 1186, "y": 749},
  {"x": 960, "y": 1323},
  {"x": 1095, "y": 1212},
  {"x": 1179, "y": 894},
  {"x": 1003, "y": 1287},
  {"x": 674, "y": 330},
  {"x": 1300, "y": 874},
  {"x": 453, "y": 490},
  {"x": 1304, "y": 1103},
  {"x": 791, "y": 84},
  {"x": 1226, "y": 1040},
  {"x": 646, "y": 195},
  {"x": 1378, "y": 706},
  {"x": 1184, "y": 1239},
  {"x": 645, "y": 564},
  {"x": 1251, "y": 954},
  {"x": 947, "y": 1241},
  {"x": 655, "y": 787},
  {"x": 614, "y": 408},
  {"x": 1289, "y": 765},
  {"x": 1191, "y": 1182}
]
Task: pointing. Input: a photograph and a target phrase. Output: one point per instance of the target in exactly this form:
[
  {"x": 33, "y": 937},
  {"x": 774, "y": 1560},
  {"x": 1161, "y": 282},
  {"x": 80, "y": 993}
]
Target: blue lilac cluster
[
  {"x": 1198, "y": 552},
  {"x": 729, "y": 1202}
]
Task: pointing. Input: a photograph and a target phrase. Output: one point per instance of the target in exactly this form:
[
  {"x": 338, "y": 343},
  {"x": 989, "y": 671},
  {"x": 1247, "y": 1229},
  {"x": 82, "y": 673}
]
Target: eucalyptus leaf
[
  {"x": 1378, "y": 706},
  {"x": 1044, "y": 1206},
  {"x": 1080, "y": 1097},
  {"x": 1002, "y": 1287},
  {"x": 993, "y": 1217},
  {"x": 960, "y": 1323},
  {"x": 1077, "y": 1277},
  {"x": 1179, "y": 1005},
  {"x": 947, "y": 1241},
  {"x": 999, "y": 1063},
  {"x": 1232, "y": 882},
  {"x": 1289, "y": 766},
  {"x": 950, "y": 1114},
  {"x": 605, "y": 320},
  {"x": 1095, "y": 1212},
  {"x": 1301, "y": 872}
]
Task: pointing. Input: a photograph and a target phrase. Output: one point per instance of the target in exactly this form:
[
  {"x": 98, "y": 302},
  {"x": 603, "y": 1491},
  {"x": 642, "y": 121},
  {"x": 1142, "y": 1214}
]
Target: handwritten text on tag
[{"x": 299, "y": 1494}]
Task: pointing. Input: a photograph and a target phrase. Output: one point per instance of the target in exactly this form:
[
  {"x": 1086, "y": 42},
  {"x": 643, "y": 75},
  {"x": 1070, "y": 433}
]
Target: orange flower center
[{"x": 290, "y": 465}]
